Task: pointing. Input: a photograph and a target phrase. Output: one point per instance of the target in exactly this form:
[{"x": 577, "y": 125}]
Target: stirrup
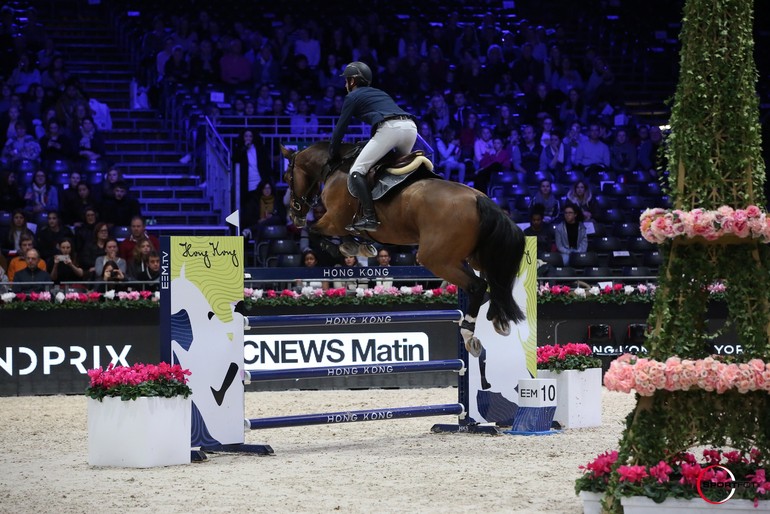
[{"x": 364, "y": 225}]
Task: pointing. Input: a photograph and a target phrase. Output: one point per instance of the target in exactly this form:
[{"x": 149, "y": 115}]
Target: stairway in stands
[{"x": 170, "y": 195}]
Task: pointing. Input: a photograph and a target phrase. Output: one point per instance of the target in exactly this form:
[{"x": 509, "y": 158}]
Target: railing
[
  {"x": 276, "y": 131},
  {"x": 270, "y": 124},
  {"x": 219, "y": 174}
]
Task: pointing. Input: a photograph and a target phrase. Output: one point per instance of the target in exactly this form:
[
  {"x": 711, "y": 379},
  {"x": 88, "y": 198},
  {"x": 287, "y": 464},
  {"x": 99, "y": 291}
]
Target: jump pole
[
  {"x": 368, "y": 369},
  {"x": 330, "y": 418},
  {"x": 370, "y": 318}
]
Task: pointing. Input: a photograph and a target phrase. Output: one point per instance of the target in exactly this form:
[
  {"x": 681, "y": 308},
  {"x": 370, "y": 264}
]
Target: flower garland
[
  {"x": 646, "y": 376},
  {"x": 307, "y": 297},
  {"x": 614, "y": 293},
  {"x": 618, "y": 293},
  {"x": 45, "y": 300},
  {"x": 338, "y": 296},
  {"x": 659, "y": 225}
]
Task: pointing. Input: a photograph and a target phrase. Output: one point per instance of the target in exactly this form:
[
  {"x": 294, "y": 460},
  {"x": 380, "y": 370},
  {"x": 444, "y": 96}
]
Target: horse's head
[{"x": 304, "y": 184}]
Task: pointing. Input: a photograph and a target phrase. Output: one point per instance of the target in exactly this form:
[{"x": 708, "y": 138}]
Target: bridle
[{"x": 296, "y": 203}]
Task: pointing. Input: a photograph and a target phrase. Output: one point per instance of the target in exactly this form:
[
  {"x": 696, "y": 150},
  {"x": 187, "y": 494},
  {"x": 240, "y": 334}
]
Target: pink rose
[{"x": 752, "y": 211}]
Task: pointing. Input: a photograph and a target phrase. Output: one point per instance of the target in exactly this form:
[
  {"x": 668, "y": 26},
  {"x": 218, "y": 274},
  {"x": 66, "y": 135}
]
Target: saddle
[{"x": 393, "y": 172}]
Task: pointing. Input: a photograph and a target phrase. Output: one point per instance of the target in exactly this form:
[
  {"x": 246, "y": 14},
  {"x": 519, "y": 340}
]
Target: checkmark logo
[{"x": 219, "y": 395}]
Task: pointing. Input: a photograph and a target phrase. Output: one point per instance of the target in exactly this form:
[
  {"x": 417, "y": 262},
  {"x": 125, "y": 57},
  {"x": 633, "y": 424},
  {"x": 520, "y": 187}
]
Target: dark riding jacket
[{"x": 368, "y": 104}]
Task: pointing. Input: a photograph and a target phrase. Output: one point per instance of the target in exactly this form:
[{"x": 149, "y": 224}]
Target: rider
[{"x": 392, "y": 127}]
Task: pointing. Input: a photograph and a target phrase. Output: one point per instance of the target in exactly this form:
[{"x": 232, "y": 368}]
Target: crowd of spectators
[
  {"x": 494, "y": 96},
  {"x": 468, "y": 74},
  {"x": 60, "y": 197}
]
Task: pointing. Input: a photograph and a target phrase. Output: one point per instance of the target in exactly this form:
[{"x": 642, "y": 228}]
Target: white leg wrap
[
  {"x": 472, "y": 344},
  {"x": 467, "y": 333}
]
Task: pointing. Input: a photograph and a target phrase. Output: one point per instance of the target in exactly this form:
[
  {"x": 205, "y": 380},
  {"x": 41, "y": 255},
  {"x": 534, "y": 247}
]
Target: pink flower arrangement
[
  {"x": 562, "y": 357},
  {"x": 46, "y": 300},
  {"x": 596, "y": 474},
  {"x": 615, "y": 293},
  {"x": 679, "y": 476},
  {"x": 686, "y": 474},
  {"x": 659, "y": 225},
  {"x": 129, "y": 383},
  {"x": 646, "y": 376}
]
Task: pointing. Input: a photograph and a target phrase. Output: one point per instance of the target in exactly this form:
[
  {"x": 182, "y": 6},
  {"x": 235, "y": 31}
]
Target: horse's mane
[{"x": 318, "y": 155}]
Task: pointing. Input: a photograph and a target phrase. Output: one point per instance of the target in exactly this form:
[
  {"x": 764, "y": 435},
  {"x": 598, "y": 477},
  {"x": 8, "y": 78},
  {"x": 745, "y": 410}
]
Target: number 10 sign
[{"x": 537, "y": 405}]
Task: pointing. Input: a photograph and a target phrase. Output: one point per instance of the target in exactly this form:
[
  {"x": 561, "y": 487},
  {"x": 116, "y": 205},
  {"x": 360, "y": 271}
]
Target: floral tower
[{"x": 717, "y": 232}]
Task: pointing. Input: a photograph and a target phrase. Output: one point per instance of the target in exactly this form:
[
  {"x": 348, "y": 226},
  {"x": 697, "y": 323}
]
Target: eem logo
[
  {"x": 720, "y": 489},
  {"x": 21, "y": 360},
  {"x": 291, "y": 351}
]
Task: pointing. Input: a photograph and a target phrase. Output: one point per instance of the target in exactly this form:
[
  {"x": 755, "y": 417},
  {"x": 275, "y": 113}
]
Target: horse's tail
[{"x": 499, "y": 252}]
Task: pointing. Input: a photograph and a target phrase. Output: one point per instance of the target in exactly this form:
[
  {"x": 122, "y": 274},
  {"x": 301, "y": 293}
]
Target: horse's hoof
[
  {"x": 473, "y": 346},
  {"x": 367, "y": 251},
  {"x": 349, "y": 249},
  {"x": 504, "y": 329}
]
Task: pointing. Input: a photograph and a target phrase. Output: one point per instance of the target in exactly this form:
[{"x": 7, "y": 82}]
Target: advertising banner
[
  {"x": 309, "y": 350},
  {"x": 49, "y": 352}
]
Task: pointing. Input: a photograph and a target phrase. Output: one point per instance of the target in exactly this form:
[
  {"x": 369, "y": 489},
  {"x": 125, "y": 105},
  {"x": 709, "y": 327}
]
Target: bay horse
[{"x": 451, "y": 223}]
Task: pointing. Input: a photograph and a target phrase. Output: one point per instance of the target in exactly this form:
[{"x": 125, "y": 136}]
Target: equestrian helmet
[{"x": 357, "y": 69}]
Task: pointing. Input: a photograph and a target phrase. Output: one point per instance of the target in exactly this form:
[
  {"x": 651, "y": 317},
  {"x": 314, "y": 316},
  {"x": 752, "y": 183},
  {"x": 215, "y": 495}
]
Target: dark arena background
[{"x": 123, "y": 122}]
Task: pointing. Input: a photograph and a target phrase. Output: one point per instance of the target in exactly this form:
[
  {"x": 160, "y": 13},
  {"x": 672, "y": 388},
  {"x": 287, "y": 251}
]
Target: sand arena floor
[{"x": 383, "y": 467}]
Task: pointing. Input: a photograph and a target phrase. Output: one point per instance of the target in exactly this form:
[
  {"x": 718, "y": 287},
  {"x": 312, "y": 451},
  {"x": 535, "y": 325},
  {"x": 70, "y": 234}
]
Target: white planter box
[
  {"x": 578, "y": 397},
  {"x": 140, "y": 433},
  {"x": 643, "y": 505},
  {"x": 592, "y": 502}
]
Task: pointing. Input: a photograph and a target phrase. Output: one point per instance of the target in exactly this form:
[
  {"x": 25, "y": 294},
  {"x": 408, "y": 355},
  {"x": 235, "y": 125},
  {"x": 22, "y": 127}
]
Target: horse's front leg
[
  {"x": 352, "y": 247},
  {"x": 334, "y": 221}
]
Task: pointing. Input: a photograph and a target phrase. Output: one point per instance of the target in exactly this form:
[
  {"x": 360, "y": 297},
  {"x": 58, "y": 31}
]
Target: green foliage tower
[{"x": 714, "y": 159}]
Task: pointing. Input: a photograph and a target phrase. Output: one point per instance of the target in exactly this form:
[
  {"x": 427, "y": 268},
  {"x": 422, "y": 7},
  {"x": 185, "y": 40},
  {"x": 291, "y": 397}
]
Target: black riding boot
[{"x": 360, "y": 190}]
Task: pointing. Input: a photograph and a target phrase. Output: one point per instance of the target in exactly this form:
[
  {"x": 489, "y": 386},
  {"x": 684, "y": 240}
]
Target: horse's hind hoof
[
  {"x": 349, "y": 249},
  {"x": 504, "y": 329},
  {"x": 473, "y": 346}
]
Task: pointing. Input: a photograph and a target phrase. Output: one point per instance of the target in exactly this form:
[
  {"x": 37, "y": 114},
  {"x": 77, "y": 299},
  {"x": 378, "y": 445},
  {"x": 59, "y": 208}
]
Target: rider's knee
[{"x": 361, "y": 170}]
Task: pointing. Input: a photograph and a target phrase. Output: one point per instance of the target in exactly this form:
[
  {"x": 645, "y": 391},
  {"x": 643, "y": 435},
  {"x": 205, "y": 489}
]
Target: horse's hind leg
[
  {"x": 451, "y": 269},
  {"x": 475, "y": 289}
]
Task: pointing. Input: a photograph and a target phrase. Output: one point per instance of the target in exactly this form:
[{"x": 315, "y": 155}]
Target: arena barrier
[{"x": 203, "y": 326}]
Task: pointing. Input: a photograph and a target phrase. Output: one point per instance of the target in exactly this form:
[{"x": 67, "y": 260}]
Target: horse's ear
[{"x": 286, "y": 152}]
